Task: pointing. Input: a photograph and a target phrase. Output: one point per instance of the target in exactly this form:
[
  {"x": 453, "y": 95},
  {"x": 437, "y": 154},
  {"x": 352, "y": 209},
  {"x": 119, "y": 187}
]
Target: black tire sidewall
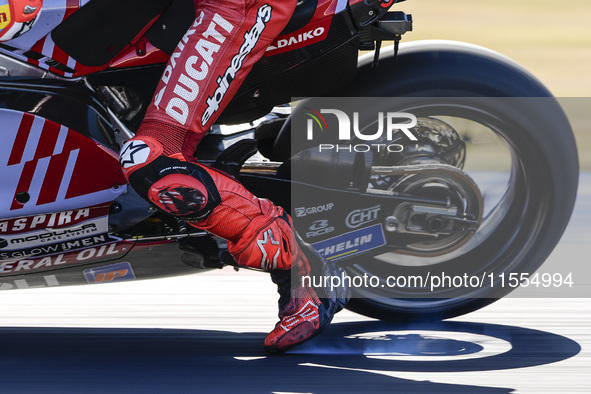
[{"x": 545, "y": 141}]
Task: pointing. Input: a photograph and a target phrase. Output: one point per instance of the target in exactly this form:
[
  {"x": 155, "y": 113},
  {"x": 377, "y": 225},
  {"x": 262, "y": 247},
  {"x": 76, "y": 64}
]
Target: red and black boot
[
  {"x": 259, "y": 234},
  {"x": 305, "y": 311}
]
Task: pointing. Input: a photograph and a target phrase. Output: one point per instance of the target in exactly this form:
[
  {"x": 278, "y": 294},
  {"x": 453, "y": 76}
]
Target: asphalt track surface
[{"x": 204, "y": 333}]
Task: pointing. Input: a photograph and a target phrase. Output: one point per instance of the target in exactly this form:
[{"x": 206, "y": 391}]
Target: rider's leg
[{"x": 203, "y": 74}]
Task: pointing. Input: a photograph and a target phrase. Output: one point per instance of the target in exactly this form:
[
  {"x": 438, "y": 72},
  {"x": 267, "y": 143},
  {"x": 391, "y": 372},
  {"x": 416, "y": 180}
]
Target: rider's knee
[{"x": 175, "y": 186}]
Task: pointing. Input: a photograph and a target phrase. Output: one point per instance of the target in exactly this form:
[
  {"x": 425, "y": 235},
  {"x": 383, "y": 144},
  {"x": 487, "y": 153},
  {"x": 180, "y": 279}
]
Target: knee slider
[
  {"x": 179, "y": 195},
  {"x": 177, "y": 187}
]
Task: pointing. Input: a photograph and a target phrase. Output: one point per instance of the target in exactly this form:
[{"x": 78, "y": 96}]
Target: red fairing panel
[
  {"x": 49, "y": 56},
  {"x": 47, "y": 167},
  {"x": 38, "y": 40}
]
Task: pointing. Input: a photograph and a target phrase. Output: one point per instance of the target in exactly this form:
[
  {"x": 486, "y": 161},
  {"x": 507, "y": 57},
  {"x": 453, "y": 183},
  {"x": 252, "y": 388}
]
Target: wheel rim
[{"x": 520, "y": 201}]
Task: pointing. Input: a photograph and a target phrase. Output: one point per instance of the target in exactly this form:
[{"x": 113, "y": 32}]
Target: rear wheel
[{"x": 520, "y": 152}]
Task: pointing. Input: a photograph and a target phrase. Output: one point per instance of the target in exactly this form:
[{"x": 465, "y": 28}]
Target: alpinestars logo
[
  {"x": 134, "y": 152},
  {"x": 266, "y": 263},
  {"x": 251, "y": 38}
]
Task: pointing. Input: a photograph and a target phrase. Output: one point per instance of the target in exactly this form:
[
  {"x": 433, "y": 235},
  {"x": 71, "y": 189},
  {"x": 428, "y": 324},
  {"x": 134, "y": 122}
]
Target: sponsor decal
[
  {"x": 47, "y": 237},
  {"x": 305, "y": 211},
  {"x": 46, "y": 281},
  {"x": 54, "y": 220},
  {"x": 308, "y": 35},
  {"x": 251, "y": 38},
  {"x": 60, "y": 260},
  {"x": 52, "y": 233},
  {"x": 359, "y": 217},
  {"x": 134, "y": 152},
  {"x": 4, "y": 16},
  {"x": 351, "y": 243},
  {"x": 319, "y": 227},
  {"x": 196, "y": 67},
  {"x": 60, "y": 247},
  {"x": 111, "y": 273}
]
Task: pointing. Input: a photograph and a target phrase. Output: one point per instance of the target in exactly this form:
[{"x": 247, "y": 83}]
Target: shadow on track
[{"x": 68, "y": 360}]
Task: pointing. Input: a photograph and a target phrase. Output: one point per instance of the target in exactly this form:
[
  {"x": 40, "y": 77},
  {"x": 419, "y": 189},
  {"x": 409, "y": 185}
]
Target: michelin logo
[{"x": 352, "y": 243}]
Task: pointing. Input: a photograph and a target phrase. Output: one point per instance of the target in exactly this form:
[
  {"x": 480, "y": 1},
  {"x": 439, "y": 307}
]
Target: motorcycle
[{"x": 484, "y": 189}]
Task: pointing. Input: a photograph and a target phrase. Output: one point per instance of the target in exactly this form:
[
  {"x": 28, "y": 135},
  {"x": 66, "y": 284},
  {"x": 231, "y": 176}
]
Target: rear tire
[{"x": 543, "y": 176}]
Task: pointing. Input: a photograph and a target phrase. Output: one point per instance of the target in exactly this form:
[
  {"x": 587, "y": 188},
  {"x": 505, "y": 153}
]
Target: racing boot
[
  {"x": 305, "y": 311},
  {"x": 259, "y": 235},
  {"x": 311, "y": 289}
]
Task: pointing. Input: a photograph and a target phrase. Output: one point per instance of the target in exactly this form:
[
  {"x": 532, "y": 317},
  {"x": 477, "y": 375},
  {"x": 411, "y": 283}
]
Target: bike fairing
[
  {"x": 17, "y": 17},
  {"x": 251, "y": 38},
  {"x": 53, "y": 52}
]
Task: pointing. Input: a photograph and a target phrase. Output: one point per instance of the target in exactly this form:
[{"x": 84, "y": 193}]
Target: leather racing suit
[{"x": 202, "y": 75}]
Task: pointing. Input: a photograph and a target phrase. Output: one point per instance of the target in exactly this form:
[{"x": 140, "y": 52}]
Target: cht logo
[{"x": 359, "y": 217}]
